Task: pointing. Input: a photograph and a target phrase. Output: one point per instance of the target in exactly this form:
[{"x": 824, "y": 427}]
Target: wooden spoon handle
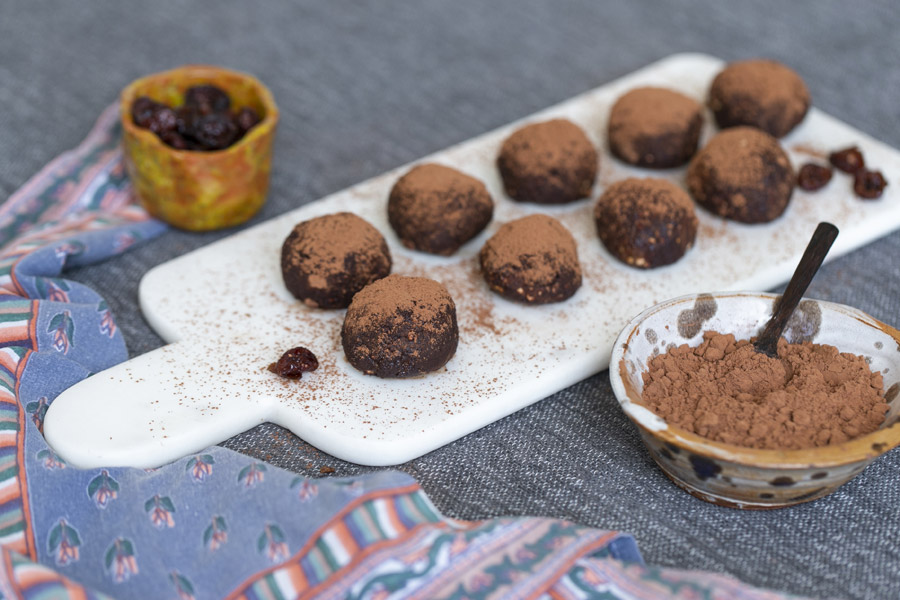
[{"x": 809, "y": 264}]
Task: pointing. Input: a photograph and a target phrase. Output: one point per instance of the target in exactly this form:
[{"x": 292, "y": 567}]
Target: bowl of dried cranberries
[{"x": 198, "y": 145}]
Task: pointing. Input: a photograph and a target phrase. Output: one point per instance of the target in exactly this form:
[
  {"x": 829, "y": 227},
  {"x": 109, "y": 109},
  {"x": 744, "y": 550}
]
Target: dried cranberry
[
  {"x": 175, "y": 140},
  {"x": 246, "y": 119},
  {"x": 813, "y": 177},
  {"x": 142, "y": 110},
  {"x": 215, "y": 131},
  {"x": 164, "y": 120},
  {"x": 294, "y": 363},
  {"x": 869, "y": 184},
  {"x": 207, "y": 99},
  {"x": 848, "y": 160},
  {"x": 185, "y": 120},
  {"x": 152, "y": 115}
]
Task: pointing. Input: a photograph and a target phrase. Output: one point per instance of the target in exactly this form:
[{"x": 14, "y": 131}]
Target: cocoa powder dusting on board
[{"x": 811, "y": 395}]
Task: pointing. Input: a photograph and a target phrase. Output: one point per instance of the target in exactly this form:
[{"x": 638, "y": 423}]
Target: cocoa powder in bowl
[{"x": 811, "y": 395}]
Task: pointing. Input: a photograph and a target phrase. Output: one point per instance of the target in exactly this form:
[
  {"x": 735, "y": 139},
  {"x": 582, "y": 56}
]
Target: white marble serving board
[{"x": 227, "y": 315}]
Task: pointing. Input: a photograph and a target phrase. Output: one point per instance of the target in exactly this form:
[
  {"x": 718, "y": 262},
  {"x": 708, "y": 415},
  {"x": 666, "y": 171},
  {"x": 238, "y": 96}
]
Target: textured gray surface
[{"x": 363, "y": 89}]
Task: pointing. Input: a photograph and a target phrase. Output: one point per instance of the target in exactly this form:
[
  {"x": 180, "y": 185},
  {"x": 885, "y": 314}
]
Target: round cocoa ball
[
  {"x": 437, "y": 209},
  {"x": 400, "y": 327},
  {"x": 548, "y": 163},
  {"x": 759, "y": 93},
  {"x": 326, "y": 260},
  {"x": 646, "y": 223},
  {"x": 654, "y": 127},
  {"x": 742, "y": 174},
  {"x": 532, "y": 260}
]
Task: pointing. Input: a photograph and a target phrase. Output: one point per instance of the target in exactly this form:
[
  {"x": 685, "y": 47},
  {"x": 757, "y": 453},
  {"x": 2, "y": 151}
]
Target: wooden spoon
[{"x": 809, "y": 264}]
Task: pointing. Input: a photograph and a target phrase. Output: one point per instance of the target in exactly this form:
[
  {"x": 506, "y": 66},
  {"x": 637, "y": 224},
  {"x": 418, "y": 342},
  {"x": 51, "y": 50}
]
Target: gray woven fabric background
[{"x": 367, "y": 87}]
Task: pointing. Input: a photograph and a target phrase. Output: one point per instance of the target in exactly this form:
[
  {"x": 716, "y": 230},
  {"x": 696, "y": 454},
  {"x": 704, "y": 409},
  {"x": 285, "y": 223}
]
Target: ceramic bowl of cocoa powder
[{"x": 746, "y": 431}]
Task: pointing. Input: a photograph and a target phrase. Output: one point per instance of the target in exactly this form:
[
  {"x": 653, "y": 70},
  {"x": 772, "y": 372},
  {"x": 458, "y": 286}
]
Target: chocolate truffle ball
[
  {"x": 437, "y": 209},
  {"x": 654, "y": 127},
  {"x": 532, "y": 260},
  {"x": 742, "y": 174},
  {"x": 646, "y": 223},
  {"x": 759, "y": 93},
  {"x": 548, "y": 163},
  {"x": 400, "y": 327},
  {"x": 324, "y": 261}
]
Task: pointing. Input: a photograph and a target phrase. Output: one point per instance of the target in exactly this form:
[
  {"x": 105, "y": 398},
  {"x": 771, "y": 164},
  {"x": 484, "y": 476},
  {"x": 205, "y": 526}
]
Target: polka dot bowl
[{"x": 741, "y": 477}]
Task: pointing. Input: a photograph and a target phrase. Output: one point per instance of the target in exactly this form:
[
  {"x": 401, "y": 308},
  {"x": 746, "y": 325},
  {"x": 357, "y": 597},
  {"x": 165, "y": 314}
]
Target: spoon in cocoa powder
[{"x": 809, "y": 264}]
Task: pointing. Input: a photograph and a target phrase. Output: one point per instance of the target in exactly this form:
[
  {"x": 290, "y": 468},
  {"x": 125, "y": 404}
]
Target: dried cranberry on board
[
  {"x": 849, "y": 160},
  {"x": 813, "y": 177},
  {"x": 869, "y": 184},
  {"x": 207, "y": 99},
  {"x": 294, "y": 363}
]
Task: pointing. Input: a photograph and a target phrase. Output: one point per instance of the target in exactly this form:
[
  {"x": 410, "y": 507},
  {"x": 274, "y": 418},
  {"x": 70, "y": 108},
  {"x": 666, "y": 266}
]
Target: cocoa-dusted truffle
[
  {"x": 437, "y": 209},
  {"x": 742, "y": 174},
  {"x": 654, "y": 127},
  {"x": 400, "y": 327},
  {"x": 548, "y": 163},
  {"x": 533, "y": 260},
  {"x": 646, "y": 223},
  {"x": 759, "y": 93},
  {"x": 324, "y": 261}
]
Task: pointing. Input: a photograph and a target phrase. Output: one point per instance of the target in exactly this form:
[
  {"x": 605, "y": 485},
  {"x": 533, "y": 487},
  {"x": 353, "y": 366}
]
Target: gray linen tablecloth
[{"x": 363, "y": 89}]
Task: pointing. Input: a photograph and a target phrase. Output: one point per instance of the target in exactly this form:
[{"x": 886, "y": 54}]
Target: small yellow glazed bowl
[
  {"x": 741, "y": 477},
  {"x": 200, "y": 191}
]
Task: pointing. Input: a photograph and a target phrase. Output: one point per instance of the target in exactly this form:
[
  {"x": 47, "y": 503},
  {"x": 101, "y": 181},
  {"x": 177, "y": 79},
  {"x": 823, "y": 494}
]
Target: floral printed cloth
[{"x": 219, "y": 524}]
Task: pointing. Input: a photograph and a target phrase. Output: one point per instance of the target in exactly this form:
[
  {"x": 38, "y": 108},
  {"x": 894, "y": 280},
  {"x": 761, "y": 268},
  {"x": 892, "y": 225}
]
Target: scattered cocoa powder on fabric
[{"x": 811, "y": 395}]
